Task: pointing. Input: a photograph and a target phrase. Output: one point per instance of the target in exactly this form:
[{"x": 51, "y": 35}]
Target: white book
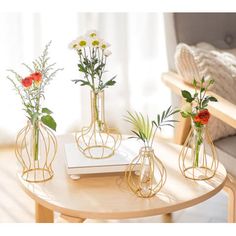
[{"x": 77, "y": 163}]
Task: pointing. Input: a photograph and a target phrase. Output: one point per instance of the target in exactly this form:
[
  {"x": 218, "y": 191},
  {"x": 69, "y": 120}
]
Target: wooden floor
[{"x": 16, "y": 206}]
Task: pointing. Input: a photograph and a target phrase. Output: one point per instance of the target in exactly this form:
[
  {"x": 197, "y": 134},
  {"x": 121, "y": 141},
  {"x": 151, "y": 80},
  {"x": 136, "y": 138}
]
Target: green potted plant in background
[
  {"x": 146, "y": 174},
  {"x": 95, "y": 141},
  {"x": 193, "y": 160},
  {"x": 36, "y": 145}
]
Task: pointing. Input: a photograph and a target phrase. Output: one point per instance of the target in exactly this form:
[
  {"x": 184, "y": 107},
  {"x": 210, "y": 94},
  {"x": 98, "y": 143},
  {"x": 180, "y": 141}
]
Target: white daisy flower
[
  {"x": 74, "y": 44},
  {"x": 104, "y": 45},
  {"x": 95, "y": 42},
  {"x": 82, "y": 41},
  {"x": 92, "y": 33},
  {"x": 107, "y": 52}
]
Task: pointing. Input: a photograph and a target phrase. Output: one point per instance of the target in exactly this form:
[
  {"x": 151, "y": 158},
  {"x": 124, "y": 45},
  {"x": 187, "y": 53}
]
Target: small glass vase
[
  {"x": 146, "y": 174},
  {"x": 36, "y": 147},
  {"x": 97, "y": 141},
  {"x": 198, "y": 159}
]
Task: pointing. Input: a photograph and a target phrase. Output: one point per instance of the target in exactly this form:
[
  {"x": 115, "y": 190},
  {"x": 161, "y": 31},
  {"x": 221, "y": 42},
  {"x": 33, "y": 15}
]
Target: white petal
[{"x": 107, "y": 52}]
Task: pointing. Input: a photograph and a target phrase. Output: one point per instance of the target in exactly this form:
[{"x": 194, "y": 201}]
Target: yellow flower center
[
  {"x": 104, "y": 46},
  {"x": 74, "y": 45},
  {"x": 95, "y": 43},
  {"x": 82, "y": 43},
  {"x": 93, "y": 35}
]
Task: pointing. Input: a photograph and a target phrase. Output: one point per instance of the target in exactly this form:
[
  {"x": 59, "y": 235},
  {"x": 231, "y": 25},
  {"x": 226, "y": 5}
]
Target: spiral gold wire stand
[
  {"x": 40, "y": 169},
  {"x": 146, "y": 174},
  {"x": 97, "y": 141},
  {"x": 208, "y": 164}
]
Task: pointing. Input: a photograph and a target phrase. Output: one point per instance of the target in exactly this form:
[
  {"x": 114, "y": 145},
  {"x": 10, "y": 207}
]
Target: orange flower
[
  {"x": 37, "y": 77},
  {"x": 202, "y": 117},
  {"x": 27, "y": 82}
]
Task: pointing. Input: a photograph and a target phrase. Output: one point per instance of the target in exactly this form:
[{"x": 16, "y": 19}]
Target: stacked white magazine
[{"x": 77, "y": 163}]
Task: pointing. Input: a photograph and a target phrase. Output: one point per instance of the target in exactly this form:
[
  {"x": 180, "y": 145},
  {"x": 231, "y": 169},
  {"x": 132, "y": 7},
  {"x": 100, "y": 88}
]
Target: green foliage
[
  {"x": 144, "y": 129},
  {"x": 49, "y": 121},
  {"x": 31, "y": 97},
  {"x": 187, "y": 95},
  {"x": 92, "y": 63},
  {"x": 46, "y": 110},
  {"x": 199, "y": 98},
  {"x": 164, "y": 118}
]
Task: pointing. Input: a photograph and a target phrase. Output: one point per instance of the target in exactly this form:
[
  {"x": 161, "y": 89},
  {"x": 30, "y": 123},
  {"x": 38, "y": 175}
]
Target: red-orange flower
[
  {"x": 27, "y": 82},
  {"x": 37, "y": 77},
  {"x": 202, "y": 117}
]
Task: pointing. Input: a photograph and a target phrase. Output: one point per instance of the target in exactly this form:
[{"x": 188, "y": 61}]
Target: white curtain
[{"x": 138, "y": 59}]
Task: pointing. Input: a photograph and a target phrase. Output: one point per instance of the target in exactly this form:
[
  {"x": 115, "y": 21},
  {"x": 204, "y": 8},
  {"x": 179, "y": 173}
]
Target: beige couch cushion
[
  {"x": 205, "y": 60},
  {"x": 226, "y": 150}
]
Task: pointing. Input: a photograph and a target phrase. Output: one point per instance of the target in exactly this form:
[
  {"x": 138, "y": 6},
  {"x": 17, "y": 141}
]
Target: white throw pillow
[{"x": 206, "y": 60}]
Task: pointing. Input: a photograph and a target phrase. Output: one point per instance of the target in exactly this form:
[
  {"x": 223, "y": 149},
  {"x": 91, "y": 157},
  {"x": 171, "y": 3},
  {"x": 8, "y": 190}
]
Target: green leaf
[
  {"x": 81, "y": 68},
  {"x": 46, "y": 110},
  {"x": 110, "y": 82},
  {"x": 184, "y": 114},
  {"x": 49, "y": 121},
  {"x": 82, "y": 82},
  {"x": 205, "y": 102},
  {"x": 213, "y": 99},
  {"x": 187, "y": 95}
]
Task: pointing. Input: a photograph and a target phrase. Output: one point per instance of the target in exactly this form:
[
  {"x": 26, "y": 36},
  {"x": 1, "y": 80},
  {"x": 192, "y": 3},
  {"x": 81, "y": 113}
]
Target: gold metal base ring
[
  {"x": 37, "y": 175},
  {"x": 198, "y": 173}
]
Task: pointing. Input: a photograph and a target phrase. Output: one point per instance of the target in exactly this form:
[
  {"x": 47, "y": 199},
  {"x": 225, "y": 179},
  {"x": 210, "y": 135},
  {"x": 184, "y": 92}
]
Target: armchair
[{"x": 184, "y": 26}]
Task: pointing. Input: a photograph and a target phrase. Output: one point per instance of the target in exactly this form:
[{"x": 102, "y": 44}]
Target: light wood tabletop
[{"x": 108, "y": 196}]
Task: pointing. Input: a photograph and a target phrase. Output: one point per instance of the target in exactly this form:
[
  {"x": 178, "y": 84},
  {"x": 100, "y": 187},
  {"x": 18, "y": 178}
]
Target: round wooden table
[{"x": 108, "y": 196}]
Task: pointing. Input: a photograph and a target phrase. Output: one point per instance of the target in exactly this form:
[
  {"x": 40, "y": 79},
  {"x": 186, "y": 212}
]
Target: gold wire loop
[{"x": 40, "y": 169}]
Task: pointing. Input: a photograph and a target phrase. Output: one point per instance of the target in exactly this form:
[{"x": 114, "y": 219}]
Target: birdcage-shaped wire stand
[
  {"x": 35, "y": 149},
  {"x": 97, "y": 141}
]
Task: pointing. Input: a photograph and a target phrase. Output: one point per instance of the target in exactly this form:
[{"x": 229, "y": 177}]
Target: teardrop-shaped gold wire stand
[
  {"x": 146, "y": 174},
  {"x": 208, "y": 163}
]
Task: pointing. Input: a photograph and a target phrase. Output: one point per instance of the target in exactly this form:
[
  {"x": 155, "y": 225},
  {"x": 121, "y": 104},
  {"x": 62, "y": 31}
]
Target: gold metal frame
[
  {"x": 146, "y": 174},
  {"x": 209, "y": 163},
  {"x": 97, "y": 141},
  {"x": 39, "y": 170}
]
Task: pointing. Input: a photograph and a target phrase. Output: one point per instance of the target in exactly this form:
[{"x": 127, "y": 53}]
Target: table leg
[
  {"x": 167, "y": 218},
  {"x": 230, "y": 187},
  {"x": 43, "y": 214},
  {"x": 70, "y": 219}
]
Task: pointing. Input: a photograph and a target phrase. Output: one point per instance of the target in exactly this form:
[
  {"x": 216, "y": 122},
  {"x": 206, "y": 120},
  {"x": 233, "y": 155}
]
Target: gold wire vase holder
[
  {"x": 146, "y": 174},
  {"x": 36, "y": 147},
  {"x": 97, "y": 141},
  {"x": 198, "y": 158}
]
